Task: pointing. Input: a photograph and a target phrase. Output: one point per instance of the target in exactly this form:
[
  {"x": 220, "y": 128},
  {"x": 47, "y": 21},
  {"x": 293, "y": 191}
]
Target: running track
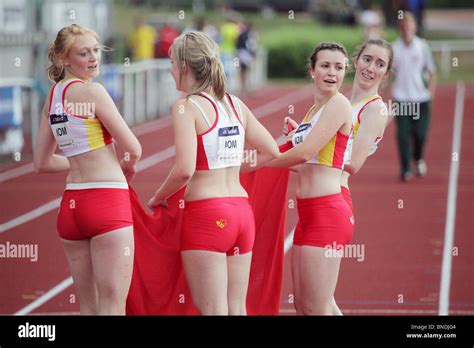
[{"x": 403, "y": 247}]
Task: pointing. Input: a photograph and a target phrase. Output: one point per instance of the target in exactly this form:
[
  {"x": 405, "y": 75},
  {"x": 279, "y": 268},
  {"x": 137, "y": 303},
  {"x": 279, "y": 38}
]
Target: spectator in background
[
  {"x": 246, "y": 52},
  {"x": 142, "y": 40},
  {"x": 417, "y": 7},
  {"x": 372, "y": 23},
  {"x": 413, "y": 61},
  {"x": 208, "y": 29},
  {"x": 230, "y": 32},
  {"x": 166, "y": 36}
]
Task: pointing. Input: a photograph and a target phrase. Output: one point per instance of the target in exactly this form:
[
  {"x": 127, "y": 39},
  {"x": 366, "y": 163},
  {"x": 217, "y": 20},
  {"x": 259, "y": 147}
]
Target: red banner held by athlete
[{"x": 158, "y": 283}]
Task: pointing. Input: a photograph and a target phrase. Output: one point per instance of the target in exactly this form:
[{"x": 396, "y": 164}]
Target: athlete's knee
[
  {"x": 88, "y": 309},
  {"x": 320, "y": 307},
  {"x": 113, "y": 292},
  {"x": 212, "y": 308},
  {"x": 237, "y": 307},
  {"x": 298, "y": 305}
]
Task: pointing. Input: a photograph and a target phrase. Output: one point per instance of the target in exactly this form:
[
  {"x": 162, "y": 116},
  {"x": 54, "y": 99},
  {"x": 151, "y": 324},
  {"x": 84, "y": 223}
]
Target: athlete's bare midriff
[
  {"x": 215, "y": 183},
  {"x": 345, "y": 179},
  {"x": 315, "y": 180},
  {"x": 100, "y": 165}
]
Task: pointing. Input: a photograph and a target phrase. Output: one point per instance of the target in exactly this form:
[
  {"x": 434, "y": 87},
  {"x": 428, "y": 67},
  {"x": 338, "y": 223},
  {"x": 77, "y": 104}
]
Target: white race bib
[
  {"x": 230, "y": 150},
  {"x": 61, "y": 131}
]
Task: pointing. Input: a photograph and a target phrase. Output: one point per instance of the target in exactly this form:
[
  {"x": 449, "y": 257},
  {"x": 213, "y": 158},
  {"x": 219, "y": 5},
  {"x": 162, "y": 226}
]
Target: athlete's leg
[
  {"x": 335, "y": 308},
  {"x": 295, "y": 272},
  {"x": 238, "y": 270},
  {"x": 318, "y": 279},
  {"x": 206, "y": 274},
  {"x": 112, "y": 260},
  {"x": 421, "y": 127},
  {"x": 403, "y": 140},
  {"x": 80, "y": 264}
]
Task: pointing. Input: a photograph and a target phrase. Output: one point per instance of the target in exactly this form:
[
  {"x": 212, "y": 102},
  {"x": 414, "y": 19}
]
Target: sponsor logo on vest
[
  {"x": 229, "y": 131},
  {"x": 303, "y": 127},
  {"x": 55, "y": 119}
]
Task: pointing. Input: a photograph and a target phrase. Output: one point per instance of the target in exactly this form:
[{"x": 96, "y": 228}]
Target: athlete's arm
[
  {"x": 258, "y": 137},
  {"x": 110, "y": 117},
  {"x": 372, "y": 123},
  {"x": 186, "y": 152},
  {"x": 45, "y": 160},
  {"x": 337, "y": 111}
]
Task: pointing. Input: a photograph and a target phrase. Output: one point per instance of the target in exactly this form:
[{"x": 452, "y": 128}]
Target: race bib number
[
  {"x": 230, "y": 149},
  {"x": 300, "y": 133},
  {"x": 62, "y": 134}
]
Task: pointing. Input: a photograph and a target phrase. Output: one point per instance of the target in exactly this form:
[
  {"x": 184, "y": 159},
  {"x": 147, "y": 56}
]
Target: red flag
[{"x": 158, "y": 284}]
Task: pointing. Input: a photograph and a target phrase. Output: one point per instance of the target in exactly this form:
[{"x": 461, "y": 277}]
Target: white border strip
[
  {"x": 451, "y": 210},
  {"x": 95, "y": 185}
]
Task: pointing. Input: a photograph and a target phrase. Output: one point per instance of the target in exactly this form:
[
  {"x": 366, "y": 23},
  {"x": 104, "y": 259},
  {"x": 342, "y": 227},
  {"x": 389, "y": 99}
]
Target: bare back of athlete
[{"x": 222, "y": 182}]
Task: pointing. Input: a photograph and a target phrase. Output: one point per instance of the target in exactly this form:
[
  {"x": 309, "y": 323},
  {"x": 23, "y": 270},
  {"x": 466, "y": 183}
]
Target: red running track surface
[{"x": 400, "y": 268}]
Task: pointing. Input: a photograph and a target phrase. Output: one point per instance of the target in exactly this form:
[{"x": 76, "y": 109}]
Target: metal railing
[
  {"x": 446, "y": 48},
  {"x": 142, "y": 91}
]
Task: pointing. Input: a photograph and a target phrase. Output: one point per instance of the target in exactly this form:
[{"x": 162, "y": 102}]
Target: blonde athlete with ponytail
[
  {"x": 95, "y": 219},
  {"x": 210, "y": 128}
]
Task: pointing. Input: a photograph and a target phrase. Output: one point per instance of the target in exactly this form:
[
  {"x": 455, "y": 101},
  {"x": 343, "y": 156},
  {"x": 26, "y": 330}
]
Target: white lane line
[
  {"x": 165, "y": 121},
  {"x": 451, "y": 210},
  {"x": 31, "y": 215},
  {"x": 16, "y": 172},
  {"x": 289, "y": 241},
  {"x": 264, "y": 110},
  {"x": 46, "y": 297}
]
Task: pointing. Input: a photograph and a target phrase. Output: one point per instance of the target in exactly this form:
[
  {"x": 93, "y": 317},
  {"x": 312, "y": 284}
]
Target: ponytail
[{"x": 200, "y": 54}]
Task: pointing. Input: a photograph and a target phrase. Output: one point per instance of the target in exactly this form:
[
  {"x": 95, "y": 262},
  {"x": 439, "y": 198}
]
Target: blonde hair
[
  {"x": 200, "y": 54},
  {"x": 59, "y": 49}
]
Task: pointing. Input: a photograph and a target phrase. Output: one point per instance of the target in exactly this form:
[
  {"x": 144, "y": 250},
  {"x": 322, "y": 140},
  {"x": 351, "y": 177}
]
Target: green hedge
[{"x": 290, "y": 46}]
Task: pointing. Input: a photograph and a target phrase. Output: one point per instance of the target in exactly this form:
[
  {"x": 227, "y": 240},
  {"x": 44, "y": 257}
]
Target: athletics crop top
[
  {"x": 74, "y": 134},
  {"x": 357, "y": 111},
  {"x": 222, "y": 145},
  {"x": 332, "y": 154}
]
